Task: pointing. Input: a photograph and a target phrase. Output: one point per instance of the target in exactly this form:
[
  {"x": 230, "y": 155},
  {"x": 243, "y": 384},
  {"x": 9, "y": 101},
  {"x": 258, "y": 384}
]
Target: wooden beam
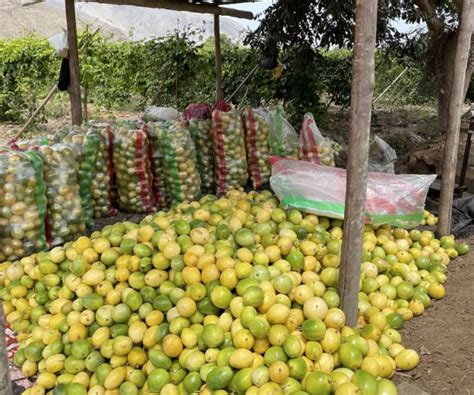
[
  {"x": 454, "y": 118},
  {"x": 179, "y": 6},
  {"x": 75, "y": 84},
  {"x": 52, "y": 91},
  {"x": 363, "y": 77},
  {"x": 5, "y": 383},
  {"x": 217, "y": 40}
]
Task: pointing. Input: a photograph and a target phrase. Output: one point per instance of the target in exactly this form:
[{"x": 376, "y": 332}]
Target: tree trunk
[{"x": 445, "y": 77}]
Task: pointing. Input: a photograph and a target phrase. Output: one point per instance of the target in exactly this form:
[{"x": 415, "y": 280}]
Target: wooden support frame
[
  {"x": 179, "y": 6},
  {"x": 75, "y": 82},
  {"x": 363, "y": 79},
  {"x": 217, "y": 41},
  {"x": 466, "y": 27}
]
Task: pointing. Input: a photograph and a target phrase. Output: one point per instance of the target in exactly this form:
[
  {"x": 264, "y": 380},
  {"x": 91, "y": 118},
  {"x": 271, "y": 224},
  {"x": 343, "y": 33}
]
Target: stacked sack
[
  {"x": 133, "y": 168},
  {"x": 86, "y": 146},
  {"x": 155, "y": 155},
  {"x": 257, "y": 131},
  {"x": 65, "y": 217},
  {"x": 200, "y": 124},
  {"x": 182, "y": 178},
  {"x": 229, "y": 150},
  {"x": 23, "y": 204},
  {"x": 102, "y": 182}
]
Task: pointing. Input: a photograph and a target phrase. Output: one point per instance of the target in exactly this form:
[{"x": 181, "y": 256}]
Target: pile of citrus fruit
[{"x": 220, "y": 296}]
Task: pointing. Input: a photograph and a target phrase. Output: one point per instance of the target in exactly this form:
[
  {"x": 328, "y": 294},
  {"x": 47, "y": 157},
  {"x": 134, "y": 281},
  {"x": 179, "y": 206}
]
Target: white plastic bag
[
  {"x": 156, "y": 114},
  {"x": 283, "y": 139},
  {"x": 313, "y": 146},
  {"x": 397, "y": 200},
  {"x": 60, "y": 44},
  {"x": 382, "y": 157}
]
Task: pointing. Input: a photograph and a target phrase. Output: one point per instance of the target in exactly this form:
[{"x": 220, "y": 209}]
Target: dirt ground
[{"x": 443, "y": 336}]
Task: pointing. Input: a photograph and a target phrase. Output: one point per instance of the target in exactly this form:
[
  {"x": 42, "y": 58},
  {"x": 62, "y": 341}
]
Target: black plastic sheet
[{"x": 462, "y": 223}]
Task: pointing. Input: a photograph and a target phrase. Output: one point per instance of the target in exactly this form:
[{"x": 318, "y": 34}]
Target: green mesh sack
[
  {"x": 65, "y": 216},
  {"x": 132, "y": 169},
  {"x": 87, "y": 147},
  {"x": 157, "y": 164},
  {"x": 102, "y": 182},
  {"x": 201, "y": 134},
  {"x": 22, "y": 204},
  {"x": 182, "y": 178}
]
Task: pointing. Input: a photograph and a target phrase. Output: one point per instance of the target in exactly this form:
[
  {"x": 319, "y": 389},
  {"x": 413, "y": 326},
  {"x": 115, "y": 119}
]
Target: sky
[
  {"x": 260, "y": 6},
  {"x": 256, "y": 8}
]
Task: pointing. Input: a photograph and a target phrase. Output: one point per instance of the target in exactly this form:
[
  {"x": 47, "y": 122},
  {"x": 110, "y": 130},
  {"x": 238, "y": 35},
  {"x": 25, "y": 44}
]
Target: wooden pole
[
  {"x": 200, "y": 8},
  {"x": 217, "y": 40},
  {"x": 454, "y": 118},
  {"x": 363, "y": 77},
  {"x": 5, "y": 383},
  {"x": 74, "y": 86},
  {"x": 37, "y": 111},
  {"x": 391, "y": 84}
]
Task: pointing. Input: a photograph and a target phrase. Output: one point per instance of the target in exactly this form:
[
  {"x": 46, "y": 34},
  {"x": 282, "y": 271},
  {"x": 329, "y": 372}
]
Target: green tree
[{"x": 325, "y": 23}]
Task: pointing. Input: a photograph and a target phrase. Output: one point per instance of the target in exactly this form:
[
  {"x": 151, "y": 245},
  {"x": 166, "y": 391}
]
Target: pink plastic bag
[
  {"x": 313, "y": 146},
  {"x": 396, "y": 200}
]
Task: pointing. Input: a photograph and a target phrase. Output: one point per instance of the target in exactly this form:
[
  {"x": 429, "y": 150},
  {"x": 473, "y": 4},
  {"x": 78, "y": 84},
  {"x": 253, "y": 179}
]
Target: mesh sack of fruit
[
  {"x": 183, "y": 182},
  {"x": 313, "y": 146},
  {"x": 200, "y": 124},
  {"x": 65, "y": 216},
  {"x": 283, "y": 138},
  {"x": 23, "y": 204},
  {"x": 256, "y": 142},
  {"x": 102, "y": 186},
  {"x": 133, "y": 168},
  {"x": 160, "y": 193},
  {"x": 396, "y": 200},
  {"x": 87, "y": 148},
  {"x": 28, "y": 144},
  {"x": 228, "y": 143}
]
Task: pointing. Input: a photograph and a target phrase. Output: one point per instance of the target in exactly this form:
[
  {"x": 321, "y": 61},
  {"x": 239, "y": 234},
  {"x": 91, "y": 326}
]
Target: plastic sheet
[
  {"x": 22, "y": 204},
  {"x": 182, "y": 178},
  {"x": 155, "y": 114},
  {"x": 229, "y": 150},
  {"x": 132, "y": 168},
  {"x": 201, "y": 134},
  {"x": 283, "y": 138},
  {"x": 382, "y": 157},
  {"x": 397, "y": 200},
  {"x": 257, "y": 132},
  {"x": 65, "y": 217},
  {"x": 313, "y": 146}
]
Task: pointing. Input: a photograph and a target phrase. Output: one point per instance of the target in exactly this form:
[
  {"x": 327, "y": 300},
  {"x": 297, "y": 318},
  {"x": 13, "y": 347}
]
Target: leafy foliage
[
  {"x": 25, "y": 65},
  {"x": 179, "y": 69}
]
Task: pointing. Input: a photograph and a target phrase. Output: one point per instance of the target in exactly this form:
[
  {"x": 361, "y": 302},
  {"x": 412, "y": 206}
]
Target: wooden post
[
  {"x": 454, "y": 118},
  {"x": 363, "y": 76},
  {"x": 37, "y": 111},
  {"x": 217, "y": 39},
  {"x": 5, "y": 383},
  {"x": 201, "y": 7},
  {"x": 74, "y": 87}
]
